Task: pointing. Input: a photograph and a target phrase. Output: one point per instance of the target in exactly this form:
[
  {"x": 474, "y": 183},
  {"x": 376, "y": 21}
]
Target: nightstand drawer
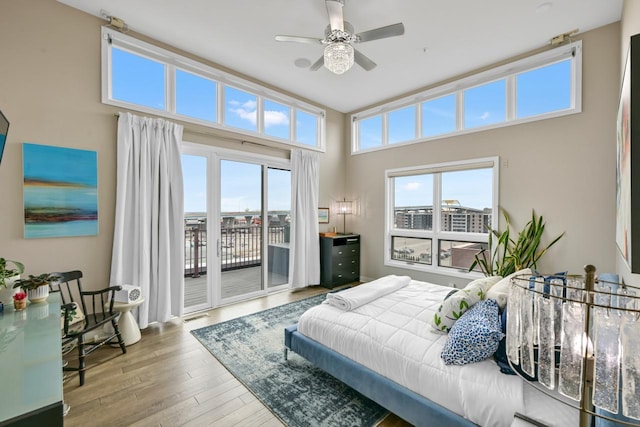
[
  {"x": 344, "y": 278},
  {"x": 346, "y": 263},
  {"x": 346, "y": 251}
]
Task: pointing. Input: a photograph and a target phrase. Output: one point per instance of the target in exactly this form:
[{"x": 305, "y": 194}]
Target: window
[
  {"x": 240, "y": 109},
  {"x": 544, "y": 90},
  {"x": 411, "y": 249},
  {"x": 400, "y": 128},
  {"x": 370, "y": 132},
  {"x": 143, "y": 77},
  {"x": 413, "y": 201},
  {"x": 196, "y": 96},
  {"x": 485, "y": 105},
  {"x": 439, "y": 116},
  {"x": 437, "y": 215},
  {"x": 542, "y": 86},
  {"x": 277, "y": 120},
  {"x": 137, "y": 79},
  {"x": 306, "y": 128}
]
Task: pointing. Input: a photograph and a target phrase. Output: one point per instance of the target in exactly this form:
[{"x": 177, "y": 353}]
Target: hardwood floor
[{"x": 170, "y": 379}]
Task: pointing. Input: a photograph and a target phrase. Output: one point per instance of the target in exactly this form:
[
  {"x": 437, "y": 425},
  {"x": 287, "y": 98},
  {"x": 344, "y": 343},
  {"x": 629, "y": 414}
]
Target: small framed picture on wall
[{"x": 323, "y": 215}]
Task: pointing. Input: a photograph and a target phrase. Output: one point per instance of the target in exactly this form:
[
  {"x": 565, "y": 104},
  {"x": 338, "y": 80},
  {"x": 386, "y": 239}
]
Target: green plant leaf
[{"x": 508, "y": 255}]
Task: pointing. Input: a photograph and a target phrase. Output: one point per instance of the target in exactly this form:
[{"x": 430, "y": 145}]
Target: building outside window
[{"x": 442, "y": 209}]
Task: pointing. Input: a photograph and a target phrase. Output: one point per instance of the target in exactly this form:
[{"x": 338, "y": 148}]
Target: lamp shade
[
  {"x": 338, "y": 57},
  {"x": 345, "y": 207}
]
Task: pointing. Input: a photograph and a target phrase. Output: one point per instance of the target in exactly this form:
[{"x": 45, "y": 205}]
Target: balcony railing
[{"x": 240, "y": 245}]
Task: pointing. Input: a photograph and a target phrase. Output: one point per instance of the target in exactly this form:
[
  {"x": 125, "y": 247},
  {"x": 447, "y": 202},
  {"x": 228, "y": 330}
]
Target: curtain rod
[{"x": 241, "y": 141}]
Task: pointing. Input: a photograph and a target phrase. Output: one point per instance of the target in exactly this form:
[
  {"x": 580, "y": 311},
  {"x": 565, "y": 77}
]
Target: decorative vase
[
  {"x": 20, "y": 304},
  {"x": 38, "y": 294}
]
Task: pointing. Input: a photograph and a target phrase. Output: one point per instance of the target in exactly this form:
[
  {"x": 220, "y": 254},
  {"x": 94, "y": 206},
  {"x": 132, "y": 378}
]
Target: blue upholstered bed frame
[{"x": 403, "y": 402}]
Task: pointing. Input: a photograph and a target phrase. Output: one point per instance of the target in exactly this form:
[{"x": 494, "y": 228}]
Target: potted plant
[
  {"x": 10, "y": 271},
  {"x": 511, "y": 255},
  {"x": 37, "y": 287}
]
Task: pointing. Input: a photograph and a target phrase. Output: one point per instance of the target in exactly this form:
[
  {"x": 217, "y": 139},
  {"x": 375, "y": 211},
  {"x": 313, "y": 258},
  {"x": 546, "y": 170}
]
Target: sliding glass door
[
  {"x": 279, "y": 226},
  {"x": 197, "y": 295},
  {"x": 240, "y": 209},
  {"x": 237, "y": 223}
]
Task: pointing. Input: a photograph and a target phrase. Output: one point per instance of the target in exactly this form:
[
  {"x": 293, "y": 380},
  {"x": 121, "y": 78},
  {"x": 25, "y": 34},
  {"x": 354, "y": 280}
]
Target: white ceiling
[{"x": 443, "y": 38}]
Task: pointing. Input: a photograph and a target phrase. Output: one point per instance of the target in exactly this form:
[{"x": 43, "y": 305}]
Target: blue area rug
[{"x": 251, "y": 348}]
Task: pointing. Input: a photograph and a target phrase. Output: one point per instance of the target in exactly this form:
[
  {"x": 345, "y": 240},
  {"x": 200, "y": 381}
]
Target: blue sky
[
  {"x": 240, "y": 186},
  {"x": 471, "y": 188}
]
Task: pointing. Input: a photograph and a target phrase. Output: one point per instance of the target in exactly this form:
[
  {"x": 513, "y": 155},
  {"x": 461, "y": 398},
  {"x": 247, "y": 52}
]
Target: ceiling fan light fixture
[{"x": 338, "y": 57}]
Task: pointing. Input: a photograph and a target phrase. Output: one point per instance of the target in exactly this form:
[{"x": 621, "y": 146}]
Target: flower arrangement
[
  {"x": 19, "y": 296},
  {"x": 20, "y": 300}
]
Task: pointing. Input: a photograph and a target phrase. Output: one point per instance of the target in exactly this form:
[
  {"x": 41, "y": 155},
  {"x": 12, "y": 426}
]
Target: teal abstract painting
[{"x": 60, "y": 191}]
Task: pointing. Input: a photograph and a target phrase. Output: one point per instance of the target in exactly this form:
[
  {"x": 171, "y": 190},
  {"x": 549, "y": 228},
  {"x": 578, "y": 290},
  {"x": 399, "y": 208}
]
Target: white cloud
[
  {"x": 274, "y": 118},
  {"x": 412, "y": 186},
  {"x": 246, "y": 111},
  {"x": 485, "y": 115}
]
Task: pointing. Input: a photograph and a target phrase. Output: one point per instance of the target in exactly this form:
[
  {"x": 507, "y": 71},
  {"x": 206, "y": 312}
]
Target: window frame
[
  {"x": 508, "y": 72},
  {"x": 435, "y": 234},
  {"x": 173, "y": 61}
]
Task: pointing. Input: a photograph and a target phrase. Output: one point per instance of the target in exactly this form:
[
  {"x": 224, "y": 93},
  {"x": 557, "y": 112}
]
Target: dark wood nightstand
[{"x": 339, "y": 260}]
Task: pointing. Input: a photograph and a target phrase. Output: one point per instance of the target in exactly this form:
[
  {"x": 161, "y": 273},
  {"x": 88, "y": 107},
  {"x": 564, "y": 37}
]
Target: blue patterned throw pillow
[{"x": 475, "y": 336}]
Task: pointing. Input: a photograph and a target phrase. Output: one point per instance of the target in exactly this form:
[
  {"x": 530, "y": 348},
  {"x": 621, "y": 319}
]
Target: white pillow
[
  {"x": 457, "y": 304},
  {"x": 500, "y": 291}
]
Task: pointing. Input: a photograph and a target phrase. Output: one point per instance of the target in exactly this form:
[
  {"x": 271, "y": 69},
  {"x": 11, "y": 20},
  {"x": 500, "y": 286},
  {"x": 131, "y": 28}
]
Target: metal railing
[{"x": 240, "y": 245}]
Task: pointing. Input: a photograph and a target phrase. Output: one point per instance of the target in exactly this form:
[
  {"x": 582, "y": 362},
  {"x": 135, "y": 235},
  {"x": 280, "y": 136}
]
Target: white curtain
[
  {"x": 148, "y": 241},
  {"x": 304, "y": 267}
]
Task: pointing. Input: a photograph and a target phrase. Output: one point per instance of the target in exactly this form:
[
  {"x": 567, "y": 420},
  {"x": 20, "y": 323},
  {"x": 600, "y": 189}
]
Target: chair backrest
[
  {"x": 93, "y": 303},
  {"x": 69, "y": 285}
]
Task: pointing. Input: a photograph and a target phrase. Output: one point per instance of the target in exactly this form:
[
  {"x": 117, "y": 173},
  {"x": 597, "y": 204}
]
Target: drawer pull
[{"x": 339, "y": 264}]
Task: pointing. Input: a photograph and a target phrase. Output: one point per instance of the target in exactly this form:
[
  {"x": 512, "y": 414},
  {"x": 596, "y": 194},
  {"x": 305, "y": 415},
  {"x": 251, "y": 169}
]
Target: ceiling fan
[{"x": 339, "y": 53}]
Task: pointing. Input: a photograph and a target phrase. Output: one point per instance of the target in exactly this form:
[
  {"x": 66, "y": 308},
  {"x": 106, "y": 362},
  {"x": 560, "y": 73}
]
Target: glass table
[{"x": 31, "y": 364}]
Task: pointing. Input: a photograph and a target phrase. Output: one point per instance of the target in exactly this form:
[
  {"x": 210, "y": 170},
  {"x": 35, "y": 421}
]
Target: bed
[{"x": 387, "y": 350}]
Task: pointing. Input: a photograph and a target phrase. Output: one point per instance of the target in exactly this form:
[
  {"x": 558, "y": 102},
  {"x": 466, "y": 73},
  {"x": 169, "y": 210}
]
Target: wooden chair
[{"x": 84, "y": 313}]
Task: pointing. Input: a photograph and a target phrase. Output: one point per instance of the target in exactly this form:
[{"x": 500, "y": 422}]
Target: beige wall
[
  {"x": 50, "y": 91},
  {"x": 630, "y": 25},
  {"x": 563, "y": 167}
]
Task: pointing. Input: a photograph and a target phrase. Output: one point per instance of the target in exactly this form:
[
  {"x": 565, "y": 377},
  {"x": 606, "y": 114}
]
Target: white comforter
[{"x": 391, "y": 335}]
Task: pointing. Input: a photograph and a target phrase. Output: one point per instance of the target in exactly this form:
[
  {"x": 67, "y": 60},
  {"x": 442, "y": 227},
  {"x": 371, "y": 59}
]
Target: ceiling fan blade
[
  {"x": 381, "y": 33},
  {"x": 298, "y": 39},
  {"x": 363, "y": 61},
  {"x": 316, "y": 65},
  {"x": 336, "y": 18}
]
